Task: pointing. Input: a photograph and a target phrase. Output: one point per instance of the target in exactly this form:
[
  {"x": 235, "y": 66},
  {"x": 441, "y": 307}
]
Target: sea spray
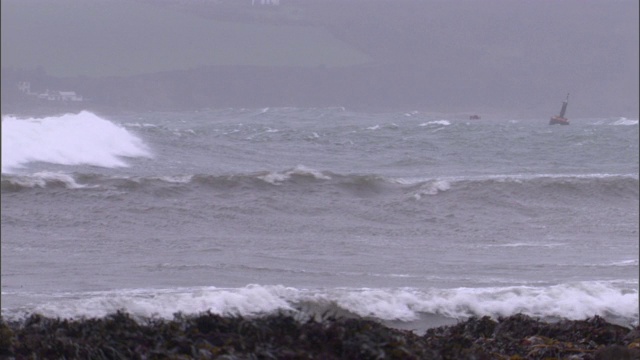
[{"x": 71, "y": 139}]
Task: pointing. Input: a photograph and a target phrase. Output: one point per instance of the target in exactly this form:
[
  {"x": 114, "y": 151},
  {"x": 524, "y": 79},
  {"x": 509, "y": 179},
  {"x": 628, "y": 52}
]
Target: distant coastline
[
  {"x": 362, "y": 88},
  {"x": 316, "y": 53}
]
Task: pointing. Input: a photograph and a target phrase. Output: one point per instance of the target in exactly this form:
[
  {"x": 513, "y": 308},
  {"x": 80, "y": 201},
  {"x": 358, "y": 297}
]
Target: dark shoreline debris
[{"x": 281, "y": 336}]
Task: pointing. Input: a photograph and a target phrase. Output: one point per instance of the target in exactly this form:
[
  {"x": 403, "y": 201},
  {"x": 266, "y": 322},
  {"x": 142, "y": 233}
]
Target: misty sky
[{"x": 527, "y": 53}]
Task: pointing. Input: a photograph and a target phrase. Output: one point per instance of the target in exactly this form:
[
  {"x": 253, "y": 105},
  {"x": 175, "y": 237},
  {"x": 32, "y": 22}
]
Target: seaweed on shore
[{"x": 281, "y": 336}]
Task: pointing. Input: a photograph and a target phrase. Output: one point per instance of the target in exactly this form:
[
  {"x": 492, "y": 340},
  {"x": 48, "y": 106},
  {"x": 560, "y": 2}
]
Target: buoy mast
[{"x": 564, "y": 106}]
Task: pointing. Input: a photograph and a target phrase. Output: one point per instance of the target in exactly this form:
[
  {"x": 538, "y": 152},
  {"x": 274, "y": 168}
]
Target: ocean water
[{"x": 409, "y": 218}]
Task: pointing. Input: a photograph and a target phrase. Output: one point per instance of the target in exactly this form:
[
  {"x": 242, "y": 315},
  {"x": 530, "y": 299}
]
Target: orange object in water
[{"x": 560, "y": 119}]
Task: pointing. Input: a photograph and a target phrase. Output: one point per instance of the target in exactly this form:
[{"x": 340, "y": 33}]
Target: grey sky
[{"x": 457, "y": 54}]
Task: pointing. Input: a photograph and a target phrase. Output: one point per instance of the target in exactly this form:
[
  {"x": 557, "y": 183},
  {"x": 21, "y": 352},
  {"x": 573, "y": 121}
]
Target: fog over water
[{"x": 518, "y": 58}]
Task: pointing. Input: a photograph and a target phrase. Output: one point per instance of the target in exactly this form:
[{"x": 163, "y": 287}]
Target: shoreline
[{"x": 209, "y": 336}]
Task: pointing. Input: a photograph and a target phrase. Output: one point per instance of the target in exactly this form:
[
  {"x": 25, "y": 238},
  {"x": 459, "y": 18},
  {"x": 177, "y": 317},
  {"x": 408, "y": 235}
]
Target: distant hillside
[
  {"x": 124, "y": 37},
  {"x": 514, "y": 57}
]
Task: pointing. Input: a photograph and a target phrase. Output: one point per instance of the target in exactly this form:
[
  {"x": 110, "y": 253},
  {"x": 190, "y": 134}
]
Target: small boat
[
  {"x": 474, "y": 117},
  {"x": 560, "y": 119}
]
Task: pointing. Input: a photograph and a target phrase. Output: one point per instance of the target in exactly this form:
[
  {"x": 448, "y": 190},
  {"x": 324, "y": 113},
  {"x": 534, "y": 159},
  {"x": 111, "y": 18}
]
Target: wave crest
[
  {"x": 572, "y": 301},
  {"x": 70, "y": 139},
  {"x": 304, "y": 179}
]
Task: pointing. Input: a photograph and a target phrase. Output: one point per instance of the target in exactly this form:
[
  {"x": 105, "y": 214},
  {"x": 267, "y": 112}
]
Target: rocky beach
[{"x": 287, "y": 336}]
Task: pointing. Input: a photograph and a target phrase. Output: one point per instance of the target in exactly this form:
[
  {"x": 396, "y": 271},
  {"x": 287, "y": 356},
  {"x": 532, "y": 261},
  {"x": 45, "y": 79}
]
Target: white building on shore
[
  {"x": 266, "y": 2},
  {"x": 25, "y": 87}
]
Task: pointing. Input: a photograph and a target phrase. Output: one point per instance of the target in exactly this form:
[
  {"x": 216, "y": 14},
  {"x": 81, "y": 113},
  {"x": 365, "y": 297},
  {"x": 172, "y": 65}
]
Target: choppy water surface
[{"x": 409, "y": 218}]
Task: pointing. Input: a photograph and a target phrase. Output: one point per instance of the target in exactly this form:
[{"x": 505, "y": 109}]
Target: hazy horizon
[{"x": 454, "y": 55}]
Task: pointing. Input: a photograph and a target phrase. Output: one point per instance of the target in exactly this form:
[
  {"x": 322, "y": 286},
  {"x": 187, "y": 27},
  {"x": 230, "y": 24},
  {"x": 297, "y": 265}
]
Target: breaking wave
[
  {"x": 573, "y": 301},
  {"x": 301, "y": 178},
  {"x": 70, "y": 139},
  {"x": 626, "y": 122}
]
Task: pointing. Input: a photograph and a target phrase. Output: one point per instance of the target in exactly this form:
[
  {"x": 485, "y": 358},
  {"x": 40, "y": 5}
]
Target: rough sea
[{"x": 412, "y": 219}]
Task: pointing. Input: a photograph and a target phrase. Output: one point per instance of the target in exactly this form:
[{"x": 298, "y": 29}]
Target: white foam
[
  {"x": 510, "y": 178},
  {"x": 139, "y": 125},
  {"x": 432, "y": 188},
  {"x": 392, "y": 126},
  {"x": 247, "y": 301},
  {"x": 575, "y": 301},
  {"x": 71, "y": 139},
  {"x": 177, "y": 179},
  {"x": 632, "y": 262},
  {"x": 276, "y": 178},
  {"x": 625, "y": 122},
  {"x": 436, "y": 122},
  {"x": 528, "y": 244},
  {"x": 41, "y": 179}
]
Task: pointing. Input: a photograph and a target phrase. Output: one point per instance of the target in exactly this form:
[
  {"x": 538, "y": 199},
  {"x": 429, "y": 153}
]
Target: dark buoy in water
[{"x": 560, "y": 119}]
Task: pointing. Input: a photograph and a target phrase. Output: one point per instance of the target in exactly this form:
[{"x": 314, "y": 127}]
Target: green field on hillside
[{"x": 121, "y": 38}]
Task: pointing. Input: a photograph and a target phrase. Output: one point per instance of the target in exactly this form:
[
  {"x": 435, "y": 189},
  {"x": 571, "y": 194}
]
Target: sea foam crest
[
  {"x": 164, "y": 303},
  {"x": 436, "y": 122},
  {"x": 625, "y": 121},
  {"x": 575, "y": 301},
  {"x": 276, "y": 178},
  {"x": 70, "y": 139},
  {"x": 432, "y": 188},
  {"x": 42, "y": 179}
]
